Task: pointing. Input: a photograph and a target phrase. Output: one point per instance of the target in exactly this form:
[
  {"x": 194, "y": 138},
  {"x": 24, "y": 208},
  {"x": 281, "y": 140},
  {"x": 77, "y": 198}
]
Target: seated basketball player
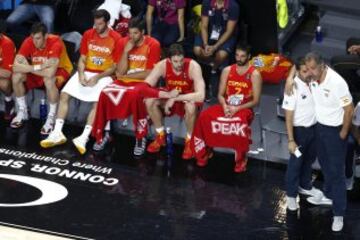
[
  {"x": 228, "y": 124},
  {"x": 96, "y": 65},
  {"x": 183, "y": 74},
  {"x": 42, "y": 61}
]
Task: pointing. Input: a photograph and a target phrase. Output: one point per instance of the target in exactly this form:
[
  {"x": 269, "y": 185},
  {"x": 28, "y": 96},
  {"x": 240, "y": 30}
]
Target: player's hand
[
  {"x": 180, "y": 39},
  {"x": 82, "y": 79},
  {"x": 129, "y": 46},
  {"x": 233, "y": 110},
  {"x": 92, "y": 81},
  {"x": 226, "y": 110},
  {"x": 168, "y": 105},
  {"x": 292, "y": 146},
  {"x": 174, "y": 93}
]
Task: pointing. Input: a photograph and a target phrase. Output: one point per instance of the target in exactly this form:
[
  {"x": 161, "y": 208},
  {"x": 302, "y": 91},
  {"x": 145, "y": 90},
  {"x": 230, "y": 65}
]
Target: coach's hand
[{"x": 168, "y": 105}]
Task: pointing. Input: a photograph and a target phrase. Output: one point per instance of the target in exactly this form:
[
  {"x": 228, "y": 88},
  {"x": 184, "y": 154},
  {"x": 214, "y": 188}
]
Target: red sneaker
[
  {"x": 159, "y": 142},
  {"x": 202, "y": 162},
  {"x": 187, "y": 153},
  {"x": 240, "y": 165}
]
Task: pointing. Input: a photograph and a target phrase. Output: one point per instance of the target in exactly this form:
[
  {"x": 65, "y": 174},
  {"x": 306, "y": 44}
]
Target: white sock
[
  {"x": 21, "y": 101},
  {"x": 159, "y": 130},
  {"x": 52, "y": 109},
  {"x": 8, "y": 98},
  {"x": 86, "y": 133},
  {"x": 59, "y": 123},
  {"x": 107, "y": 126}
]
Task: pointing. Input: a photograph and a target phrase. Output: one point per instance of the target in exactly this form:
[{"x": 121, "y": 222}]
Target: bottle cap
[
  {"x": 43, "y": 101},
  {"x": 168, "y": 130},
  {"x": 318, "y": 28}
]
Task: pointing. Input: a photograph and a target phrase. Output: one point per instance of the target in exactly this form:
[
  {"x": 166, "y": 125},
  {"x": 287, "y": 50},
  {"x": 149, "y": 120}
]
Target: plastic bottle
[
  {"x": 318, "y": 34},
  {"x": 43, "y": 110},
  {"x": 169, "y": 142}
]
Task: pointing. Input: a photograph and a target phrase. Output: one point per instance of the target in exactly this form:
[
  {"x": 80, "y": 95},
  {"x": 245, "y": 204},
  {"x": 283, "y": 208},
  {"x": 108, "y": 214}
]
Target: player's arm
[
  {"x": 290, "y": 83},
  {"x": 256, "y": 81},
  {"x": 4, "y": 73},
  {"x": 222, "y": 86},
  {"x": 137, "y": 75},
  {"x": 21, "y": 65},
  {"x": 157, "y": 72},
  {"x": 106, "y": 73},
  {"x": 48, "y": 69},
  {"x": 149, "y": 18},
  {"x": 204, "y": 26},
  {"x": 199, "y": 85}
]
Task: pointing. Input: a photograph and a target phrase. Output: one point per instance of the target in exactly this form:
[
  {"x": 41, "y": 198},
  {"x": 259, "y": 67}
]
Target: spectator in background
[
  {"x": 348, "y": 65},
  {"x": 96, "y": 65},
  {"x": 7, "y": 55},
  {"x": 42, "y": 61},
  {"x": 167, "y": 26},
  {"x": 218, "y": 34},
  {"x": 43, "y": 9}
]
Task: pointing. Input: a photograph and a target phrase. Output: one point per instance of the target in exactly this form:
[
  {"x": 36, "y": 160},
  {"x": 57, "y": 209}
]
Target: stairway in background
[{"x": 340, "y": 20}]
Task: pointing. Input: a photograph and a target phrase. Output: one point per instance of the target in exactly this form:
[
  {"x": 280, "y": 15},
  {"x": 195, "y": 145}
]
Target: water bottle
[
  {"x": 169, "y": 151},
  {"x": 43, "y": 110},
  {"x": 169, "y": 142},
  {"x": 318, "y": 34}
]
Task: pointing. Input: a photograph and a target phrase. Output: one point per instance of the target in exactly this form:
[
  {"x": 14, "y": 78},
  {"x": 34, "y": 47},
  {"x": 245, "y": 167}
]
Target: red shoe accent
[
  {"x": 240, "y": 165},
  {"x": 156, "y": 145},
  {"x": 202, "y": 162},
  {"x": 187, "y": 153}
]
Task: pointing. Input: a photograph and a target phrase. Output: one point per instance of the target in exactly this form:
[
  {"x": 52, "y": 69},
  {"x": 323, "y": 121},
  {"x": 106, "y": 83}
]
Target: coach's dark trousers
[
  {"x": 299, "y": 170},
  {"x": 331, "y": 154}
]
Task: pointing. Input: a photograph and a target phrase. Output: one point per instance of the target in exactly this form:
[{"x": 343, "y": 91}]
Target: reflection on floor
[{"x": 112, "y": 195}]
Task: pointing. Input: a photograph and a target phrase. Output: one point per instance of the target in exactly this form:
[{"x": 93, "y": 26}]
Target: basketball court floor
[{"x": 58, "y": 194}]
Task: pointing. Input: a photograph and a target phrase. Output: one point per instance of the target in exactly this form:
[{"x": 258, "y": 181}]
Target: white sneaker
[
  {"x": 314, "y": 192},
  {"x": 320, "y": 200},
  {"x": 18, "y": 120},
  {"x": 80, "y": 144},
  {"x": 54, "y": 139},
  {"x": 349, "y": 183},
  {"x": 101, "y": 146},
  {"x": 338, "y": 223},
  {"x": 140, "y": 146},
  {"x": 291, "y": 203},
  {"x": 48, "y": 126}
]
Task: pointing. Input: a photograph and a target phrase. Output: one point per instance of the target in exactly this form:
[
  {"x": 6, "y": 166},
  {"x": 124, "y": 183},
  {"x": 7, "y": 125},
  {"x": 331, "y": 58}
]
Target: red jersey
[
  {"x": 7, "y": 52},
  {"x": 239, "y": 87},
  {"x": 101, "y": 52},
  {"x": 142, "y": 57},
  {"x": 182, "y": 82},
  {"x": 54, "y": 48}
]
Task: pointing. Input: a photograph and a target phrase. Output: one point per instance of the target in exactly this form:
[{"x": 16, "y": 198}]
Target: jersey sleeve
[
  {"x": 154, "y": 55},
  {"x": 343, "y": 94},
  {"x": 234, "y": 11},
  {"x": 289, "y": 102},
  {"x": 8, "y": 52},
  {"x": 56, "y": 49},
  {"x": 84, "y": 44},
  {"x": 26, "y": 48}
]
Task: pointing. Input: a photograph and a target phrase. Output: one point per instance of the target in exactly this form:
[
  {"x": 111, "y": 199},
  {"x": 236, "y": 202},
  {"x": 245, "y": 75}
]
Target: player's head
[
  {"x": 101, "y": 20},
  {"x": 242, "y": 54},
  {"x": 38, "y": 34},
  {"x": 303, "y": 71},
  {"x": 176, "y": 55},
  {"x": 315, "y": 64},
  {"x": 136, "y": 29}
]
